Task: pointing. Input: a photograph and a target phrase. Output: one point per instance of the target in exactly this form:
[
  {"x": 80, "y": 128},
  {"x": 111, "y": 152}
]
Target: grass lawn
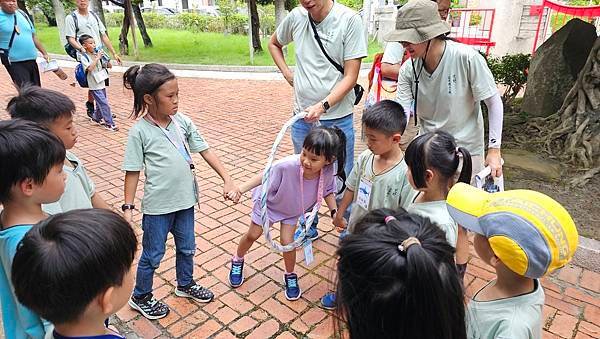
[{"x": 184, "y": 47}]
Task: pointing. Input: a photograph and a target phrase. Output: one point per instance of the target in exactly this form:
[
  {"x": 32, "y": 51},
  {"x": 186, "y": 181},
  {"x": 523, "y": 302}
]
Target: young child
[
  {"x": 433, "y": 161},
  {"x": 83, "y": 259},
  {"x": 95, "y": 64},
  {"x": 54, "y": 111},
  {"x": 378, "y": 178},
  {"x": 31, "y": 174},
  {"x": 396, "y": 279},
  {"x": 293, "y": 190},
  {"x": 523, "y": 235},
  {"x": 161, "y": 143}
]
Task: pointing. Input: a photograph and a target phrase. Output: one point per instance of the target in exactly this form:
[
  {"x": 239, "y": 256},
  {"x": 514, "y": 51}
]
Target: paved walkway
[{"x": 240, "y": 119}]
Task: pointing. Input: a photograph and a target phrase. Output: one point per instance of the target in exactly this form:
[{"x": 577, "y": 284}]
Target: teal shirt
[
  {"x": 390, "y": 189},
  {"x": 79, "y": 188},
  {"x": 437, "y": 212},
  {"x": 511, "y": 318},
  {"x": 23, "y": 48},
  {"x": 19, "y": 322},
  {"x": 169, "y": 185}
]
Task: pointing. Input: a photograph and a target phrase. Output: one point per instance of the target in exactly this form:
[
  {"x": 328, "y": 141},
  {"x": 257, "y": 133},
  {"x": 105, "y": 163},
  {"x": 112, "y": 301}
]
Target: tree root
[{"x": 581, "y": 180}]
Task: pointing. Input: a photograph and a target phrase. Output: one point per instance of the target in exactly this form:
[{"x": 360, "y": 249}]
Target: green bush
[
  {"x": 155, "y": 20},
  {"x": 475, "y": 19},
  {"x": 114, "y": 19},
  {"x": 510, "y": 71}
]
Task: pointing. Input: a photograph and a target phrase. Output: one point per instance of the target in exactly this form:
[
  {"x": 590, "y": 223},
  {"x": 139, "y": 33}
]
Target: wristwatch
[
  {"x": 325, "y": 105},
  {"x": 125, "y": 207},
  {"x": 333, "y": 212}
]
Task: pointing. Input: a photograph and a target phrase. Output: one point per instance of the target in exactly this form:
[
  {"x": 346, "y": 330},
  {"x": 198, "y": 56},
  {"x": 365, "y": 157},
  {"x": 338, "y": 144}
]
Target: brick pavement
[{"x": 240, "y": 118}]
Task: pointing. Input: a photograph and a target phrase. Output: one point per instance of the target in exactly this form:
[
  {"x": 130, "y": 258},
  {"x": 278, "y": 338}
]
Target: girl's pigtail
[
  {"x": 341, "y": 157},
  {"x": 467, "y": 165},
  {"x": 129, "y": 78},
  {"x": 130, "y": 75}
]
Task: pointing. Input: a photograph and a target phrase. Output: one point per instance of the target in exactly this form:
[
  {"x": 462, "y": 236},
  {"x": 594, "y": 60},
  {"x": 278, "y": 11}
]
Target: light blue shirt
[
  {"x": 19, "y": 321},
  {"x": 23, "y": 48}
]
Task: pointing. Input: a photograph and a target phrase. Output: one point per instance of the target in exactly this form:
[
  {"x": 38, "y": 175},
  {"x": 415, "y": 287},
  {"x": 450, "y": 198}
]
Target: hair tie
[
  {"x": 389, "y": 218},
  {"x": 403, "y": 247},
  {"x": 457, "y": 152}
]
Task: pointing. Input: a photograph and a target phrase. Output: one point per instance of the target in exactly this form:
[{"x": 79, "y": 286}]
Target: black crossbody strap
[
  {"x": 314, "y": 28},
  {"x": 12, "y": 37}
]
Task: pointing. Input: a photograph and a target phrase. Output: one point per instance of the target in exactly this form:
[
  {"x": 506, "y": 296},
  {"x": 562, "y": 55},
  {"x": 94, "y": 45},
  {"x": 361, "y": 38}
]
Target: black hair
[
  {"x": 331, "y": 143},
  {"x": 39, "y": 104},
  {"x": 437, "y": 150},
  {"x": 385, "y": 292},
  {"x": 386, "y": 116},
  {"x": 83, "y": 38},
  {"x": 27, "y": 151},
  {"x": 67, "y": 260},
  {"x": 144, "y": 80}
]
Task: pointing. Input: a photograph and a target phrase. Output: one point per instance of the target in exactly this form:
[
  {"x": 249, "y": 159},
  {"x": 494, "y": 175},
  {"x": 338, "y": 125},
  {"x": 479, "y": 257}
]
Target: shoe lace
[
  {"x": 292, "y": 282},
  {"x": 236, "y": 268}
]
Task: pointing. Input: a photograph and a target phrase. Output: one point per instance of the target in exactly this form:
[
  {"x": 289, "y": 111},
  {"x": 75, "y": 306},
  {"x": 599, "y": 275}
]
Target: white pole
[{"x": 367, "y": 18}]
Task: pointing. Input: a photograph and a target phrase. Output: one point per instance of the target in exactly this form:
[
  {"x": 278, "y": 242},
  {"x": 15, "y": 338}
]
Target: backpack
[
  {"x": 81, "y": 74},
  {"x": 70, "y": 50}
]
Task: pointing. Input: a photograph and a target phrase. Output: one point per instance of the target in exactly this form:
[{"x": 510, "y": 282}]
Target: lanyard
[
  {"x": 317, "y": 204},
  {"x": 182, "y": 148}
]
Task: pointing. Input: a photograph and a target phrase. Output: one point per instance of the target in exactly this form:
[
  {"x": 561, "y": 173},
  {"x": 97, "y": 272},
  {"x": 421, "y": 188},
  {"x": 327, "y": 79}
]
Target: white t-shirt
[
  {"x": 449, "y": 98},
  {"x": 393, "y": 53},
  {"x": 97, "y": 73},
  {"x": 89, "y": 24},
  {"x": 342, "y": 35}
]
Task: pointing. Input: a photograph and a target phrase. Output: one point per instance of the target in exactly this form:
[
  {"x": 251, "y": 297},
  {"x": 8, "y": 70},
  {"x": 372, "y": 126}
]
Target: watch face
[{"x": 326, "y": 105}]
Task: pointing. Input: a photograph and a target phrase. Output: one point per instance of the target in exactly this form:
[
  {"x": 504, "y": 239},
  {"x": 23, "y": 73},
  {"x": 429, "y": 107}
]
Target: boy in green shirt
[{"x": 523, "y": 235}]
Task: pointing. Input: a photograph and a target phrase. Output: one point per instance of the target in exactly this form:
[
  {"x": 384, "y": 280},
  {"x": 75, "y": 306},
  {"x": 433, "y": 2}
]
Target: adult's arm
[
  {"x": 276, "y": 50},
  {"x": 495, "y": 116},
  {"x": 390, "y": 71},
  {"x": 106, "y": 42},
  {"x": 39, "y": 46},
  {"x": 351, "y": 69}
]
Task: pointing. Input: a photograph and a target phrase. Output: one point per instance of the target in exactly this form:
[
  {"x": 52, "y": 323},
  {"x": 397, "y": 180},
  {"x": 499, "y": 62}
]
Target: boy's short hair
[
  {"x": 84, "y": 37},
  {"x": 41, "y": 105},
  {"x": 386, "y": 116},
  {"x": 528, "y": 231},
  {"x": 27, "y": 150},
  {"x": 67, "y": 260}
]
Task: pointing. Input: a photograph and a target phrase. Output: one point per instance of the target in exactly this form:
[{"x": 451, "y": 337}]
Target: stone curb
[
  {"x": 587, "y": 255},
  {"x": 206, "y": 68}
]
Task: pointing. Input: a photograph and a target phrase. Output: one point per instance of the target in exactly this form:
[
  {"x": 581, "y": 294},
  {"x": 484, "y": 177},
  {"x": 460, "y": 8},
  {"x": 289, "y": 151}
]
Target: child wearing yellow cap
[{"x": 523, "y": 235}]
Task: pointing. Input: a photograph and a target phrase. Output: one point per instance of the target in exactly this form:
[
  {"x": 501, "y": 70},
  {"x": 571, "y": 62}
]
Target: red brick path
[{"x": 240, "y": 120}]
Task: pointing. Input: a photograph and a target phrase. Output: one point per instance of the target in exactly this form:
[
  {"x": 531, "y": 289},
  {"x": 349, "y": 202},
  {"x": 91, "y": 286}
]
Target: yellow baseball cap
[{"x": 528, "y": 231}]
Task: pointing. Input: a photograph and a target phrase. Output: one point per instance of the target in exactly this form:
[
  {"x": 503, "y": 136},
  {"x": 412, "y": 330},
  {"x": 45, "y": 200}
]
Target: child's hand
[
  {"x": 128, "y": 215},
  {"x": 339, "y": 222},
  {"x": 230, "y": 187},
  {"x": 234, "y": 196},
  {"x": 108, "y": 65}
]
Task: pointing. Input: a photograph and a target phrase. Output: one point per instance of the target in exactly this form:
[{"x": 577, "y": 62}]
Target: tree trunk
[
  {"x": 255, "y": 24},
  {"x": 573, "y": 133},
  {"x": 279, "y": 12},
  {"x": 123, "y": 42},
  {"x": 141, "y": 25},
  {"x": 51, "y": 20},
  {"x": 59, "y": 14},
  {"x": 96, "y": 6}
]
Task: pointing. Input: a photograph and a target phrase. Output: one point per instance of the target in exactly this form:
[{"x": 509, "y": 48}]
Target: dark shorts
[{"x": 23, "y": 72}]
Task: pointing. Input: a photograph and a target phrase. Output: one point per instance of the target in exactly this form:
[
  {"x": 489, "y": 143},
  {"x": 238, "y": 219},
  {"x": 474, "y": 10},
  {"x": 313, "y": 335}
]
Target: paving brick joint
[{"x": 240, "y": 119}]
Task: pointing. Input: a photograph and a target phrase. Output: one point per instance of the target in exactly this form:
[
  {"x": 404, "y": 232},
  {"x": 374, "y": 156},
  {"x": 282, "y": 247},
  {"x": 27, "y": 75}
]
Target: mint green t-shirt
[
  {"x": 389, "y": 189},
  {"x": 517, "y": 317},
  {"x": 79, "y": 188},
  {"x": 169, "y": 185},
  {"x": 437, "y": 212}
]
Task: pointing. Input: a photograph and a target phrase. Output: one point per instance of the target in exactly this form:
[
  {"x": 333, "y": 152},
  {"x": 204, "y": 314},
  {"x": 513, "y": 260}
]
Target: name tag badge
[
  {"x": 364, "y": 193},
  {"x": 100, "y": 76},
  {"x": 308, "y": 252}
]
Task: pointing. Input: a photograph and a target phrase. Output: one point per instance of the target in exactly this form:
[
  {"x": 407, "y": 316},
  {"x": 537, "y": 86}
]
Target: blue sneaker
[
  {"x": 328, "y": 301},
  {"x": 292, "y": 290},
  {"x": 236, "y": 275}
]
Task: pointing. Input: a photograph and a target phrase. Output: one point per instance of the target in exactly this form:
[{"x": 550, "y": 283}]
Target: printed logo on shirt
[{"x": 451, "y": 83}]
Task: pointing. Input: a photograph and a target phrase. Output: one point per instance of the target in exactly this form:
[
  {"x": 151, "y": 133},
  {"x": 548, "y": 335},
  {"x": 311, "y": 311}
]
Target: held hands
[
  {"x": 494, "y": 160},
  {"x": 314, "y": 112},
  {"x": 231, "y": 192},
  {"x": 339, "y": 222}
]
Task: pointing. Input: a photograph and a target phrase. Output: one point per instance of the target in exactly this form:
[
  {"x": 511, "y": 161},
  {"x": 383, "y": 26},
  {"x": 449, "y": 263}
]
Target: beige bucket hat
[{"x": 418, "y": 21}]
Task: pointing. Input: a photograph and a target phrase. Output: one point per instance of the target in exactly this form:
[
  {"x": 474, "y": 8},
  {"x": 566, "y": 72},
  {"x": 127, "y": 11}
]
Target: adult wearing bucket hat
[
  {"x": 446, "y": 81},
  {"x": 523, "y": 235}
]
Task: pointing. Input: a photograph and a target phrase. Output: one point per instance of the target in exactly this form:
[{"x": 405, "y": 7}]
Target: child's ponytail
[
  {"x": 341, "y": 157},
  {"x": 467, "y": 165}
]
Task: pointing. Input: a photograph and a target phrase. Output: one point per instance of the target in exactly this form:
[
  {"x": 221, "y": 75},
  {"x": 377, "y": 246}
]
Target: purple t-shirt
[{"x": 283, "y": 203}]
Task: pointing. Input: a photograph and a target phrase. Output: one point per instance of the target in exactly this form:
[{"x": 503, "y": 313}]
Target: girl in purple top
[{"x": 286, "y": 204}]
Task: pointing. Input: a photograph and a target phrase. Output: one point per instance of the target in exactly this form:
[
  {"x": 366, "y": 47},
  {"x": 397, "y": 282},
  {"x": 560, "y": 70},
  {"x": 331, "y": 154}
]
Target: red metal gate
[{"x": 472, "y": 26}]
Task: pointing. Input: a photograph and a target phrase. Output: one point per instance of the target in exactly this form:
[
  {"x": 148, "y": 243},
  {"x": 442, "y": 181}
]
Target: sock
[
  {"x": 286, "y": 273},
  {"x": 236, "y": 258}
]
